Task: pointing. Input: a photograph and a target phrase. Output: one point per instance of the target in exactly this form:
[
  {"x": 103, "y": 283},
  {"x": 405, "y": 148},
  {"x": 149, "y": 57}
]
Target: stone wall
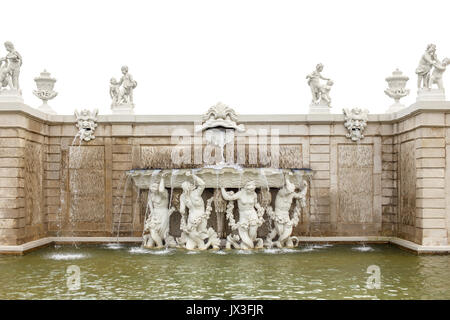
[
  {"x": 391, "y": 183},
  {"x": 23, "y": 164}
]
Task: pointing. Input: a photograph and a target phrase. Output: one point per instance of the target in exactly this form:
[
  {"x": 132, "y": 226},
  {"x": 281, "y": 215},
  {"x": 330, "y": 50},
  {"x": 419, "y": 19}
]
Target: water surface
[{"x": 307, "y": 272}]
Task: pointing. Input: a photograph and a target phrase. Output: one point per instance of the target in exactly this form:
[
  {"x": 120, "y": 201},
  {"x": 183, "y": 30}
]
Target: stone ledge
[
  {"x": 23, "y": 248},
  {"x": 431, "y": 106},
  {"x": 417, "y": 248}
]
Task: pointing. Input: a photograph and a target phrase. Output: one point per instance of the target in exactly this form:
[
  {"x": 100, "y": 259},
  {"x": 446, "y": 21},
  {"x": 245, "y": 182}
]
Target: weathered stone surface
[
  {"x": 34, "y": 172},
  {"x": 87, "y": 183},
  {"x": 355, "y": 183},
  {"x": 407, "y": 185}
]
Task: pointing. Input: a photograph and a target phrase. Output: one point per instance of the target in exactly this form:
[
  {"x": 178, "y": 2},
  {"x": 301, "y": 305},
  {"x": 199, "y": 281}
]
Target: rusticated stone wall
[
  {"x": 23, "y": 159},
  {"x": 394, "y": 182}
]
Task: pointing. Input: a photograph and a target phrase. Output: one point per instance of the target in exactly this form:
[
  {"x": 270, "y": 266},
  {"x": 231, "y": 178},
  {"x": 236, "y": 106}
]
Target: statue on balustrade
[
  {"x": 426, "y": 62},
  {"x": 438, "y": 71},
  {"x": 156, "y": 227},
  {"x": 10, "y": 68},
  {"x": 320, "y": 91},
  {"x": 250, "y": 217},
  {"x": 195, "y": 234},
  {"x": 281, "y": 218},
  {"x": 121, "y": 91}
]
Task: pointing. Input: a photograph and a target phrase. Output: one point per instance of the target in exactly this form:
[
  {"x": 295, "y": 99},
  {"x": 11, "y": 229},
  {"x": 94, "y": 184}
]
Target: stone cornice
[{"x": 388, "y": 118}]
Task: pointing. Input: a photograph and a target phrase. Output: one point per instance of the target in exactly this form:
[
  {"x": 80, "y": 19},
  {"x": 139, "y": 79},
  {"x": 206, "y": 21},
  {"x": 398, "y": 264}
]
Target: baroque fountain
[
  {"x": 250, "y": 187},
  {"x": 325, "y": 178}
]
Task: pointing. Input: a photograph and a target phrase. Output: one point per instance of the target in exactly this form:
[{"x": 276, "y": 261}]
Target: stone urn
[
  {"x": 397, "y": 83},
  {"x": 45, "y": 85}
]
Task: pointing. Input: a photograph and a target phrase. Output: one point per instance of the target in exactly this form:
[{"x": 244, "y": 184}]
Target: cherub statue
[
  {"x": 426, "y": 62},
  {"x": 5, "y": 80},
  {"x": 325, "y": 92},
  {"x": 438, "y": 71},
  {"x": 9, "y": 72},
  {"x": 319, "y": 91},
  {"x": 122, "y": 91},
  {"x": 114, "y": 90}
]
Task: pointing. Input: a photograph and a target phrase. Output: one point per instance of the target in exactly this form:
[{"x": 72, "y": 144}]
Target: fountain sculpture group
[
  {"x": 195, "y": 214},
  {"x": 253, "y": 209}
]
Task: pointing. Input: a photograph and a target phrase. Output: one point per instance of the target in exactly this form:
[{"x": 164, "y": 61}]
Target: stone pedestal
[
  {"x": 46, "y": 108},
  {"x": 319, "y": 108},
  {"x": 122, "y": 108},
  {"x": 430, "y": 95},
  {"x": 11, "y": 96},
  {"x": 395, "y": 107}
]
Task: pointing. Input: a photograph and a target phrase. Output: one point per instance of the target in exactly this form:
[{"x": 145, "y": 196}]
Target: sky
[{"x": 254, "y": 56}]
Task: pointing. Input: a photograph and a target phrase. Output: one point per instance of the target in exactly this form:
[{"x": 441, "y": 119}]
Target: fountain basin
[{"x": 226, "y": 177}]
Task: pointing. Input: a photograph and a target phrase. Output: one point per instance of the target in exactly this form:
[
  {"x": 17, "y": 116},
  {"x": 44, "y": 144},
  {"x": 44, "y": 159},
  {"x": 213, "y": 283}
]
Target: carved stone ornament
[
  {"x": 86, "y": 124},
  {"x": 45, "y": 92},
  {"x": 396, "y": 90},
  {"x": 220, "y": 116},
  {"x": 397, "y": 83},
  {"x": 355, "y": 122}
]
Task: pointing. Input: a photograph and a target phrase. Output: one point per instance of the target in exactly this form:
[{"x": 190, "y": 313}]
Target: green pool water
[{"x": 308, "y": 272}]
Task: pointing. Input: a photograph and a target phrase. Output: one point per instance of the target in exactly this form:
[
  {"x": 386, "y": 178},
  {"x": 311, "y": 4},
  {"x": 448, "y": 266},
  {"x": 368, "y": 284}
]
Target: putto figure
[
  {"x": 195, "y": 234},
  {"x": 427, "y": 61},
  {"x": 250, "y": 217},
  {"x": 10, "y": 68},
  {"x": 121, "y": 92},
  {"x": 282, "y": 221},
  {"x": 438, "y": 71},
  {"x": 320, "y": 92},
  {"x": 156, "y": 227},
  {"x": 114, "y": 90}
]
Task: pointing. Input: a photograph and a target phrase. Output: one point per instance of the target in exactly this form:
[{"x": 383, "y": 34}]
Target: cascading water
[
  {"x": 267, "y": 189},
  {"x": 127, "y": 181},
  {"x": 76, "y": 158},
  {"x": 173, "y": 176}
]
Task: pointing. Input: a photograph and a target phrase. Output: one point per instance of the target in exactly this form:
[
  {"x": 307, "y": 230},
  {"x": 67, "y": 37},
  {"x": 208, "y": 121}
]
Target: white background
[{"x": 252, "y": 55}]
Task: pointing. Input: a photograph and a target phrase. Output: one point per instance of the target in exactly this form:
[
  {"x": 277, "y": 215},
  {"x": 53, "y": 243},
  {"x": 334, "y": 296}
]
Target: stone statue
[
  {"x": 10, "y": 68},
  {"x": 121, "y": 92},
  {"x": 249, "y": 218},
  {"x": 114, "y": 90},
  {"x": 355, "y": 122},
  {"x": 86, "y": 124},
  {"x": 157, "y": 224},
  {"x": 426, "y": 62},
  {"x": 438, "y": 71},
  {"x": 194, "y": 230},
  {"x": 283, "y": 223},
  {"x": 320, "y": 92}
]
